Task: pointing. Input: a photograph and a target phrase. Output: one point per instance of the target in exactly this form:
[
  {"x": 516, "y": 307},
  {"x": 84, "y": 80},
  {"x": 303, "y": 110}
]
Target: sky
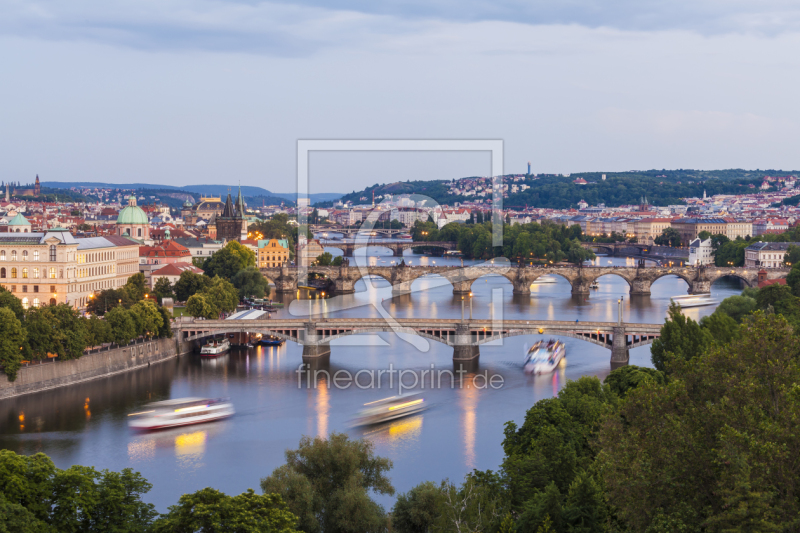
[{"x": 206, "y": 91}]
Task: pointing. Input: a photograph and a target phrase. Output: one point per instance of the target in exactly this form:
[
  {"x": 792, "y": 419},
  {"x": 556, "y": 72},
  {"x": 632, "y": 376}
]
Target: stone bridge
[
  {"x": 352, "y": 232},
  {"x": 397, "y": 248},
  {"x": 639, "y": 279},
  {"x": 465, "y": 337}
]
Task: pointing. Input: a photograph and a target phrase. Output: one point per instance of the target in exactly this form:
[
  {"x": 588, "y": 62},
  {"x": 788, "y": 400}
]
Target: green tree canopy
[
  {"x": 189, "y": 284},
  {"x": 12, "y": 343},
  {"x": 108, "y": 299},
  {"x": 222, "y": 295},
  {"x": 681, "y": 338},
  {"x": 199, "y": 307},
  {"x": 229, "y": 260},
  {"x": 136, "y": 287},
  {"x": 11, "y": 302},
  {"x": 123, "y": 326},
  {"x": 668, "y": 237},
  {"x": 163, "y": 289},
  {"x": 147, "y": 318},
  {"x": 326, "y": 484},
  {"x": 250, "y": 282},
  {"x": 737, "y": 307},
  {"x": 98, "y": 331},
  {"x": 626, "y": 378},
  {"x": 56, "y": 329}
]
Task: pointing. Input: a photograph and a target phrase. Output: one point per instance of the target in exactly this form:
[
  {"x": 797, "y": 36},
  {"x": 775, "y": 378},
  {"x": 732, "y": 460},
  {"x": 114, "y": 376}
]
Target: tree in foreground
[
  {"x": 250, "y": 282},
  {"x": 198, "y": 307},
  {"x": 12, "y": 342},
  {"x": 326, "y": 483},
  {"x": 715, "y": 449},
  {"x": 681, "y": 338},
  {"x": 56, "y": 329},
  {"x": 211, "y": 511},
  {"x": 123, "y": 327},
  {"x": 163, "y": 289},
  {"x": 190, "y": 284}
]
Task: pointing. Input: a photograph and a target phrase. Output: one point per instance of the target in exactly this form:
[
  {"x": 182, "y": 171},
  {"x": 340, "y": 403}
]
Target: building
[
  {"x": 766, "y": 254},
  {"x": 231, "y": 224},
  {"x": 201, "y": 247},
  {"x": 308, "y": 251},
  {"x": 172, "y": 272},
  {"x": 700, "y": 253},
  {"x": 771, "y": 225},
  {"x": 55, "y": 267},
  {"x": 738, "y": 228},
  {"x": 18, "y": 224},
  {"x": 205, "y": 209},
  {"x": 132, "y": 221},
  {"x": 273, "y": 253},
  {"x": 647, "y": 229},
  {"x": 690, "y": 228},
  {"x": 164, "y": 253}
]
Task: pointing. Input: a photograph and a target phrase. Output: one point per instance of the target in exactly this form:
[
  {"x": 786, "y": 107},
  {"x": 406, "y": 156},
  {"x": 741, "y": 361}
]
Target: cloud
[{"x": 307, "y": 26}]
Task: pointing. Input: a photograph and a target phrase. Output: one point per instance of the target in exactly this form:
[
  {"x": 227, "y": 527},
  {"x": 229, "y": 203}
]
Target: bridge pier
[
  {"x": 343, "y": 285},
  {"x": 620, "y": 354},
  {"x": 581, "y": 286},
  {"x": 463, "y": 349},
  {"x": 314, "y": 351},
  {"x": 522, "y": 287},
  {"x": 640, "y": 286},
  {"x": 401, "y": 287},
  {"x": 461, "y": 288},
  {"x": 700, "y": 287}
]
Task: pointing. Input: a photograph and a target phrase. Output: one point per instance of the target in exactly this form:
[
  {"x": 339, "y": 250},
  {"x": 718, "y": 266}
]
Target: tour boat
[
  {"x": 390, "y": 409},
  {"x": 544, "y": 358},
  {"x": 541, "y": 280},
  {"x": 404, "y": 236},
  {"x": 453, "y": 253},
  {"x": 215, "y": 347},
  {"x": 694, "y": 300},
  {"x": 269, "y": 340},
  {"x": 181, "y": 412}
]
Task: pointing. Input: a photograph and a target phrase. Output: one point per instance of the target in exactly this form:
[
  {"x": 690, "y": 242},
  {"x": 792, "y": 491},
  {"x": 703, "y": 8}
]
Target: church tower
[{"x": 37, "y": 188}]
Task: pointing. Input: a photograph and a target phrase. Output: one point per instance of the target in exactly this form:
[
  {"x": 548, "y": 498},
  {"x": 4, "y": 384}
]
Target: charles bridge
[
  {"x": 343, "y": 278},
  {"x": 397, "y": 247},
  {"x": 465, "y": 337}
]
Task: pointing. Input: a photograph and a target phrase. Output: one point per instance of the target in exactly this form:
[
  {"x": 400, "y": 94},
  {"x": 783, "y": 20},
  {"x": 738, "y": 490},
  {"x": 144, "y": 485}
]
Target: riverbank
[{"x": 93, "y": 365}]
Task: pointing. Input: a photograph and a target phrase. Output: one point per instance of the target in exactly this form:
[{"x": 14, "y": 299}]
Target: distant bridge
[
  {"x": 352, "y": 232},
  {"x": 397, "y": 248},
  {"x": 639, "y": 279},
  {"x": 465, "y": 337}
]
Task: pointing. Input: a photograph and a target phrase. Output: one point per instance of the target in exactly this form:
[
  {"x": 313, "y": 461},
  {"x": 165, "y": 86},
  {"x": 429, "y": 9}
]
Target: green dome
[{"x": 132, "y": 215}]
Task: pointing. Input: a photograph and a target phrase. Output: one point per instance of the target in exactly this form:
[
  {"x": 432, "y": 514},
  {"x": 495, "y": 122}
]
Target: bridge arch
[
  {"x": 728, "y": 274},
  {"x": 597, "y": 247},
  {"x": 674, "y": 272},
  {"x": 615, "y": 274}
]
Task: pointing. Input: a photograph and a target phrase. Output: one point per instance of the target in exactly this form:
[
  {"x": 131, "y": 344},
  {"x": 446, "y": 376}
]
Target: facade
[
  {"x": 55, "y": 267},
  {"x": 647, "y": 229},
  {"x": 18, "y": 224},
  {"x": 231, "y": 224},
  {"x": 165, "y": 253},
  {"x": 772, "y": 225},
  {"x": 172, "y": 272},
  {"x": 766, "y": 254},
  {"x": 700, "y": 253},
  {"x": 308, "y": 251},
  {"x": 273, "y": 253},
  {"x": 739, "y": 228},
  {"x": 690, "y": 228},
  {"x": 201, "y": 247},
  {"x": 133, "y": 222},
  {"x": 205, "y": 209}
]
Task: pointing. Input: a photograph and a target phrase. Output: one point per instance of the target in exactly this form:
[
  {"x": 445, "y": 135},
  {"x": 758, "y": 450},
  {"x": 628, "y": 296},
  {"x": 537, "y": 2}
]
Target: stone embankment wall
[{"x": 93, "y": 365}]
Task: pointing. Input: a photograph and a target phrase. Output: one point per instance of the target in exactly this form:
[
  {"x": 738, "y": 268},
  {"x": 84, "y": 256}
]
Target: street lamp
[{"x": 470, "y": 305}]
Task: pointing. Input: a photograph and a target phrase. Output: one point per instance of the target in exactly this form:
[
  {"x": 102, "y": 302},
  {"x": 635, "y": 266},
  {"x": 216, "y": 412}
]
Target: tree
[
  {"x": 704, "y": 235},
  {"x": 326, "y": 484},
  {"x": 166, "y": 328},
  {"x": 337, "y": 261},
  {"x": 792, "y": 256},
  {"x": 147, "y": 318},
  {"x": 626, "y": 378},
  {"x": 123, "y": 327},
  {"x": 668, "y": 237},
  {"x": 730, "y": 253},
  {"x": 722, "y": 327},
  {"x": 416, "y": 511},
  {"x": 229, "y": 260},
  {"x": 189, "y": 284},
  {"x": 715, "y": 448},
  {"x": 737, "y": 307},
  {"x": 163, "y": 289},
  {"x": 76, "y": 499},
  {"x": 198, "y": 307},
  {"x": 251, "y": 282},
  {"x": 56, "y": 329},
  {"x": 324, "y": 259},
  {"x": 108, "y": 299},
  {"x": 98, "y": 331},
  {"x": 222, "y": 295},
  {"x": 681, "y": 338},
  {"x": 9, "y": 301},
  {"x": 12, "y": 342},
  {"x": 136, "y": 287},
  {"x": 211, "y": 511}
]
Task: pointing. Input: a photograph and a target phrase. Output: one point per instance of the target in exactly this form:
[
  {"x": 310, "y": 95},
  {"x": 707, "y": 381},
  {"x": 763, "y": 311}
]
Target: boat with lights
[
  {"x": 390, "y": 409},
  {"x": 181, "y": 412},
  {"x": 543, "y": 358},
  {"x": 694, "y": 300},
  {"x": 215, "y": 347}
]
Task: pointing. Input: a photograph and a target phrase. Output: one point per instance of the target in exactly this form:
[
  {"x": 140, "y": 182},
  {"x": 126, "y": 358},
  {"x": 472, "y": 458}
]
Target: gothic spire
[
  {"x": 228, "y": 212},
  {"x": 240, "y": 203}
]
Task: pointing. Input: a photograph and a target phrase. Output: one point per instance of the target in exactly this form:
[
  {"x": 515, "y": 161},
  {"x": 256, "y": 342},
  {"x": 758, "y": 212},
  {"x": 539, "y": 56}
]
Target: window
[
  {"x": 14, "y": 272},
  {"x": 2, "y": 255},
  {"x": 36, "y": 302},
  {"x": 52, "y": 288},
  {"x": 36, "y": 257},
  {"x": 13, "y": 255},
  {"x": 24, "y": 288},
  {"x": 25, "y": 273},
  {"x": 52, "y": 273},
  {"x": 25, "y": 255},
  {"x": 35, "y": 272},
  {"x": 139, "y": 232},
  {"x": 2, "y": 272},
  {"x": 13, "y": 288},
  {"x": 24, "y": 303},
  {"x": 53, "y": 253},
  {"x": 35, "y": 288}
]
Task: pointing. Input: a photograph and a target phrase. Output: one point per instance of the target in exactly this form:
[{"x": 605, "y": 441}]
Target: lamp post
[
  {"x": 619, "y": 312},
  {"x": 462, "y": 309},
  {"x": 470, "y": 305}
]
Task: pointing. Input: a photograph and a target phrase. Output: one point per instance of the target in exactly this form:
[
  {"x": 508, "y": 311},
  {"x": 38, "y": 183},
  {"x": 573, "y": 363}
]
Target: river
[{"x": 462, "y": 430}]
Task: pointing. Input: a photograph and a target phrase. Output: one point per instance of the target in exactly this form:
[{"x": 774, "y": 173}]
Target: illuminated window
[
  {"x": 2, "y": 255},
  {"x": 36, "y": 302},
  {"x": 13, "y": 255},
  {"x": 24, "y": 303},
  {"x": 52, "y": 273},
  {"x": 25, "y": 255},
  {"x": 24, "y": 272},
  {"x": 35, "y": 272},
  {"x": 14, "y": 272},
  {"x": 36, "y": 257}
]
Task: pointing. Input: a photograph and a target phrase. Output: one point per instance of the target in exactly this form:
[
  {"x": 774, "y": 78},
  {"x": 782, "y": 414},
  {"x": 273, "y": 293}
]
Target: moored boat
[
  {"x": 181, "y": 412},
  {"x": 269, "y": 340},
  {"x": 215, "y": 347},
  {"x": 390, "y": 408},
  {"x": 543, "y": 358}
]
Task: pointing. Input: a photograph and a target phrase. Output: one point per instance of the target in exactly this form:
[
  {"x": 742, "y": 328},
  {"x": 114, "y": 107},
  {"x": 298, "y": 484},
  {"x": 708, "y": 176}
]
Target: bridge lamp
[{"x": 541, "y": 330}]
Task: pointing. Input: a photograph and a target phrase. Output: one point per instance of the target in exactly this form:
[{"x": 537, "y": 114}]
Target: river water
[{"x": 462, "y": 429}]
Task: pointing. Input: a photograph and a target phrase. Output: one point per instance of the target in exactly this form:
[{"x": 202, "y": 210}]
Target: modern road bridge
[
  {"x": 639, "y": 279},
  {"x": 465, "y": 337}
]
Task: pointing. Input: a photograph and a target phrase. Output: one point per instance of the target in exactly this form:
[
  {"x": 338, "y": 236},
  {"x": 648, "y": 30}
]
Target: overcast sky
[{"x": 207, "y": 91}]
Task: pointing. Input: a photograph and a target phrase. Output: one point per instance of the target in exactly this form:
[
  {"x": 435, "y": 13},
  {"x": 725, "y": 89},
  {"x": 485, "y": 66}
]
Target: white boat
[
  {"x": 390, "y": 409},
  {"x": 453, "y": 253},
  {"x": 215, "y": 347},
  {"x": 544, "y": 358},
  {"x": 181, "y": 412},
  {"x": 541, "y": 280},
  {"x": 594, "y": 285},
  {"x": 694, "y": 300}
]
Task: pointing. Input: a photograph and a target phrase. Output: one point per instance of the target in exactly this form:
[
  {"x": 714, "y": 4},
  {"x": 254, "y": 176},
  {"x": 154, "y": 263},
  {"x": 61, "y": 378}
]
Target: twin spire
[{"x": 234, "y": 210}]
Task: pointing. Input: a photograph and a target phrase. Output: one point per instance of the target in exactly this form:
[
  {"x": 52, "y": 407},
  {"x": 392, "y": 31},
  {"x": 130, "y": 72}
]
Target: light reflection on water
[{"x": 463, "y": 429}]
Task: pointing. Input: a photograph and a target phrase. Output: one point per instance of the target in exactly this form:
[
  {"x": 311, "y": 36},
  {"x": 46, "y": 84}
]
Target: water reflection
[{"x": 468, "y": 398}]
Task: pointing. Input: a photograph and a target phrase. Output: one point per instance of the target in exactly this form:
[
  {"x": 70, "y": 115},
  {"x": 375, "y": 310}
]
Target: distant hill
[{"x": 256, "y": 193}]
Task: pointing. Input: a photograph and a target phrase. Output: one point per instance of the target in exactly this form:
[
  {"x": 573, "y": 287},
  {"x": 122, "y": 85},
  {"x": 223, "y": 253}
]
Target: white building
[
  {"x": 701, "y": 252},
  {"x": 766, "y": 254}
]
